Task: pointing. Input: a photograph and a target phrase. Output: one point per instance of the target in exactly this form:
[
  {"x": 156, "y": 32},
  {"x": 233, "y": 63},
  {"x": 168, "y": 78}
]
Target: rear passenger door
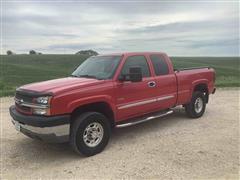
[{"x": 166, "y": 84}]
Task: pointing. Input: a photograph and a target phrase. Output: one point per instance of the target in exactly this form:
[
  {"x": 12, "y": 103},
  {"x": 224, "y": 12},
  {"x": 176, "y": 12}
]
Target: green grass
[
  {"x": 227, "y": 68},
  {"x": 17, "y": 70}
]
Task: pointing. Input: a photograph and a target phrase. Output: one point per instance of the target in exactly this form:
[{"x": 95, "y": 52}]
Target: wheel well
[
  {"x": 101, "y": 107},
  {"x": 202, "y": 88}
]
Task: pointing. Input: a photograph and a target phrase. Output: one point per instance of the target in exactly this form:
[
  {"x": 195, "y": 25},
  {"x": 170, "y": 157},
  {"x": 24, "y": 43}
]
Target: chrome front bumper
[
  {"x": 55, "y": 134},
  {"x": 49, "y": 129}
]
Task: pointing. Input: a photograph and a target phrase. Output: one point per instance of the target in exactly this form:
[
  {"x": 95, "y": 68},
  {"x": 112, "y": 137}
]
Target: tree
[
  {"x": 32, "y": 52},
  {"x": 9, "y": 52},
  {"x": 87, "y": 52}
]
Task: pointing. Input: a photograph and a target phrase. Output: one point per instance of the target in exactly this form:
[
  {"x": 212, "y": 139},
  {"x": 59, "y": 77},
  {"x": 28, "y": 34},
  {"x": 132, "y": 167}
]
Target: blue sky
[{"x": 182, "y": 28}]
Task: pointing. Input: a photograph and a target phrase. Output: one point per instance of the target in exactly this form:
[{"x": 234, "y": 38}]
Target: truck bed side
[{"x": 189, "y": 79}]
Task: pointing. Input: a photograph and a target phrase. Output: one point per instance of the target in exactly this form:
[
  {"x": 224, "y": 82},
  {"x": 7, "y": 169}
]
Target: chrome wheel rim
[
  {"x": 93, "y": 134},
  {"x": 198, "y": 105}
]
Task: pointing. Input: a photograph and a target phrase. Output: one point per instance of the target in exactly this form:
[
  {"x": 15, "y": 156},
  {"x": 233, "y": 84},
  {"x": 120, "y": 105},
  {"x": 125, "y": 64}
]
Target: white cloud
[{"x": 108, "y": 27}]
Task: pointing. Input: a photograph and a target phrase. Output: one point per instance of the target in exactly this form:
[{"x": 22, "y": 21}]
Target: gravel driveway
[{"x": 172, "y": 147}]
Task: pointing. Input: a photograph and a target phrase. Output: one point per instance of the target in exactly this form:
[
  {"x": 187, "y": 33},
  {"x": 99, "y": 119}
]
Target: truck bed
[{"x": 187, "y": 78}]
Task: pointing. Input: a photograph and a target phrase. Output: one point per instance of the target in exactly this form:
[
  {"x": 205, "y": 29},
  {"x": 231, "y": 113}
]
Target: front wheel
[
  {"x": 197, "y": 106},
  {"x": 90, "y": 133}
]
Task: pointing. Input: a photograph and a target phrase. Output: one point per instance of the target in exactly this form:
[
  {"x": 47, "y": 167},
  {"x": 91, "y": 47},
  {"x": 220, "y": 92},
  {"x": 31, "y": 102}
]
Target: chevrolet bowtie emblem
[{"x": 19, "y": 101}]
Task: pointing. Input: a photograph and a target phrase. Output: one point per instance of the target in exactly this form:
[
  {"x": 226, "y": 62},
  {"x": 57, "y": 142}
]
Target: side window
[
  {"x": 136, "y": 61},
  {"x": 159, "y": 64}
]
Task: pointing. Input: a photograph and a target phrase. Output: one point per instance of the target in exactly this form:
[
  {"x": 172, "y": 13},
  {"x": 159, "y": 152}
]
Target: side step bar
[{"x": 144, "y": 119}]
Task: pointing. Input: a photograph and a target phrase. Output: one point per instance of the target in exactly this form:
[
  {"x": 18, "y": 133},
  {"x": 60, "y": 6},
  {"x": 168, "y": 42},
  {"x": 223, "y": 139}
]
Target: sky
[{"x": 179, "y": 28}]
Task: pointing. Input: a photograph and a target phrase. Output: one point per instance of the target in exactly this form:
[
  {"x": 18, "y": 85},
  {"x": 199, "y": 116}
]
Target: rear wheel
[
  {"x": 197, "y": 106},
  {"x": 90, "y": 133}
]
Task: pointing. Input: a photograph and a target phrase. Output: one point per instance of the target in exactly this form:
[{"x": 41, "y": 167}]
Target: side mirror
[{"x": 135, "y": 75}]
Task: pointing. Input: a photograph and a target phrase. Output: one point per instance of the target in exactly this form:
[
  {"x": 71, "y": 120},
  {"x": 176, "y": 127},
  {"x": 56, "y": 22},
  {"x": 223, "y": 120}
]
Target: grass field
[{"x": 17, "y": 70}]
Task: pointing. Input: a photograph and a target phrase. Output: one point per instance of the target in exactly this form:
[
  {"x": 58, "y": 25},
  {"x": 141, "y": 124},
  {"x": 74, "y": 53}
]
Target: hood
[{"x": 60, "y": 85}]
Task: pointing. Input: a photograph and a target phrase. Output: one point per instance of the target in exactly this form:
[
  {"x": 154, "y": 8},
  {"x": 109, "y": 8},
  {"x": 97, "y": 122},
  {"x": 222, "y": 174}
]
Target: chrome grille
[
  {"x": 23, "y": 108},
  {"x": 22, "y": 98}
]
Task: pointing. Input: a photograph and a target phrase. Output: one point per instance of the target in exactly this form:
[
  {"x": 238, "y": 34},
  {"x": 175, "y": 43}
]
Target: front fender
[{"x": 92, "y": 99}]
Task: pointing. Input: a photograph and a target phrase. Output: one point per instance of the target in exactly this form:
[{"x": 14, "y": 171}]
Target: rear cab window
[
  {"x": 159, "y": 64},
  {"x": 136, "y": 61}
]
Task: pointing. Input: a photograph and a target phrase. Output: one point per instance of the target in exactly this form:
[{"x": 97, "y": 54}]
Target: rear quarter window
[{"x": 159, "y": 64}]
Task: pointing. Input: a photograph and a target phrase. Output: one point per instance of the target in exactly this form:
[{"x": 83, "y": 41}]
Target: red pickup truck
[{"x": 106, "y": 92}]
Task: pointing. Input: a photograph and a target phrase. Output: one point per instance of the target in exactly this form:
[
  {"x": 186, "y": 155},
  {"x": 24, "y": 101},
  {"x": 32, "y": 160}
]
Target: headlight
[
  {"x": 43, "y": 100},
  {"x": 41, "y": 111},
  {"x": 41, "y": 105}
]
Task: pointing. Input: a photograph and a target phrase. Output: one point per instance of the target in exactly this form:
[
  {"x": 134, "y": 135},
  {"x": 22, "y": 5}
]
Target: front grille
[
  {"x": 25, "y": 99},
  {"x": 23, "y": 108}
]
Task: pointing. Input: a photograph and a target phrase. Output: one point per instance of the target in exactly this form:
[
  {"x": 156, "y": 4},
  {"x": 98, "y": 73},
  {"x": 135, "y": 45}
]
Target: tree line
[{"x": 82, "y": 52}]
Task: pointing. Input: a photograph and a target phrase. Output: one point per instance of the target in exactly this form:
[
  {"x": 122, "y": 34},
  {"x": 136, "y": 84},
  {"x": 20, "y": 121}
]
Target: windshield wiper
[
  {"x": 88, "y": 76},
  {"x": 72, "y": 75}
]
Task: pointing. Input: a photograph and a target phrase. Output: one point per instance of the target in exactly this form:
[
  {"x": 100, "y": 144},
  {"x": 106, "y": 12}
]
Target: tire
[
  {"x": 85, "y": 133},
  {"x": 197, "y": 106}
]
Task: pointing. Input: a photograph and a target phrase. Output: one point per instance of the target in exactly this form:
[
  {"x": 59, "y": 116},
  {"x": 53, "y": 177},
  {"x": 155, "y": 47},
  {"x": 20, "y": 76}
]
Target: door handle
[{"x": 151, "y": 84}]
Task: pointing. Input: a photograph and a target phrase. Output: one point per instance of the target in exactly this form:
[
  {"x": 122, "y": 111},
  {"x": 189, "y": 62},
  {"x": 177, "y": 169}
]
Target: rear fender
[{"x": 197, "y": 82}]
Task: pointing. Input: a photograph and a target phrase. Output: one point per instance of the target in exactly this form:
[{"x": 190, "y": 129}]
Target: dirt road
[{"x": 172, "y": 147}]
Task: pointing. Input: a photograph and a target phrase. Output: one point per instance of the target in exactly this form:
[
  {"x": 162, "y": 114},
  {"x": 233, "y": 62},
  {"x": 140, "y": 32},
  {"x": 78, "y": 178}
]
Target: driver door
[{"x": 135, "y": 98}]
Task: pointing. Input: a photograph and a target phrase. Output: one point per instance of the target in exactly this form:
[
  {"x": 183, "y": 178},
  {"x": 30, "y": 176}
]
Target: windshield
[{"x": 98, "y": 67}]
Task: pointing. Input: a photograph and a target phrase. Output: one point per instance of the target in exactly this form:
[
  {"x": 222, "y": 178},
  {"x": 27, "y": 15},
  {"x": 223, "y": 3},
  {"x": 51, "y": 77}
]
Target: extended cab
[{"x": 109, "y": 91}]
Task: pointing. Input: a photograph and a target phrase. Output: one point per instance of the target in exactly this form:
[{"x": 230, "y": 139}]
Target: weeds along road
[{"x": 171, "y": 147}]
